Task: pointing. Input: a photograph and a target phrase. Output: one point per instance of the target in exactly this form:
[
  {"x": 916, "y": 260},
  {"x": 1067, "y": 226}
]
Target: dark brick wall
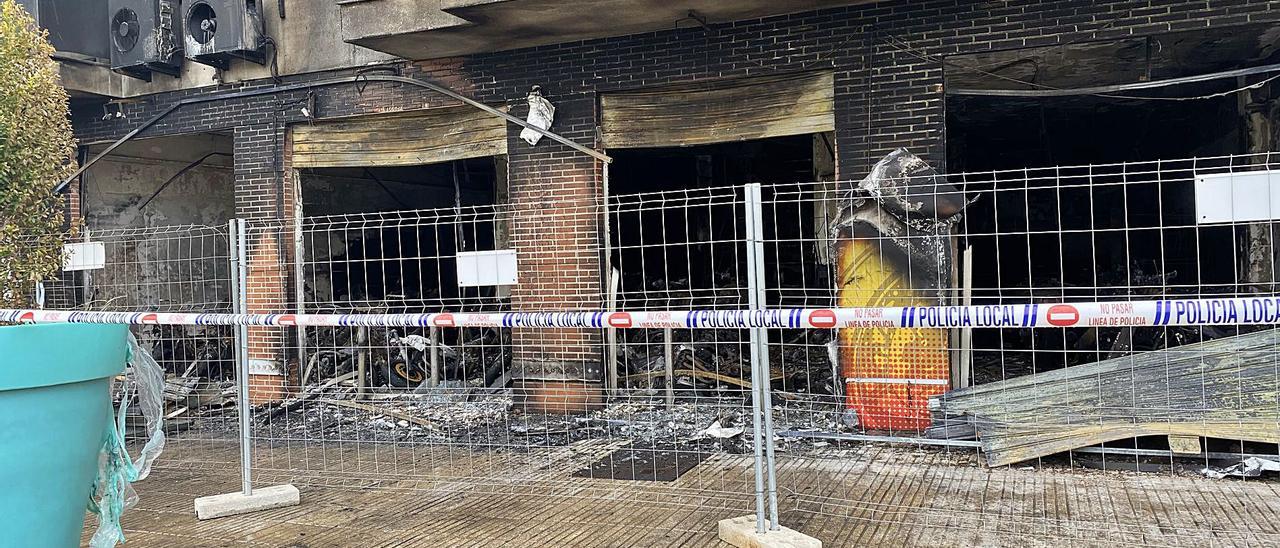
[{"x": 886, "y": 57}]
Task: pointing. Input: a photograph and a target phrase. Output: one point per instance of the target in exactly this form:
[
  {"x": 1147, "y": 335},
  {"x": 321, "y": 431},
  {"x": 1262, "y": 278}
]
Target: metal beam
[
  {"x": 1096, "y": 90},
  {"x": 359, "y": 79}
]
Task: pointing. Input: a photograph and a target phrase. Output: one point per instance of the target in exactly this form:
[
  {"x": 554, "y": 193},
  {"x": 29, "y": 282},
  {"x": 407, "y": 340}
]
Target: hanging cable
[
  {"x": 393, "y": 195},
  {"x": 275, "y": 54},
  {"x": 180, "y": 173},
  {"x": 457, "y": 208}
]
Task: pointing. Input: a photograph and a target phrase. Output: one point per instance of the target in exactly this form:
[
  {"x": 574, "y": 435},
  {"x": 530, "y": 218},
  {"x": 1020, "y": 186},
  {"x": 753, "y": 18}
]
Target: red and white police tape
[{"x": 1165, "y": 312}]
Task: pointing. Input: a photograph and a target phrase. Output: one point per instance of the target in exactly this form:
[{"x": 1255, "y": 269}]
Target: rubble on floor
[
  {"x": 717, "y": 361},
  {"x": 199, "y": 367},
  {"x": 471, "y": 406},
  {"x": 485, "y": 419},
  {"x": 401, "y": 358},
  {"x": 1222, "y": 388},
  {"x": 1251, "y": 467}
]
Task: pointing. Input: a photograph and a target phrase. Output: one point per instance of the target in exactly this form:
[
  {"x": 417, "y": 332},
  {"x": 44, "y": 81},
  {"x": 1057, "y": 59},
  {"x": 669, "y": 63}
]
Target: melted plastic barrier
[
  {"x": 113, "y": 491},
  {"x": 893, "y": 247}
]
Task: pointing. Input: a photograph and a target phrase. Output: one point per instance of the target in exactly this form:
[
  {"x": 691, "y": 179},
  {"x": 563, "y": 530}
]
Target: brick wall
[
  {"x": 888, "y": 64},
  {"x": 267, "y": 291},
  {"x": 264, "y": 196},
  {"x": 556, "y": 196},
  {"x": 71, "y": 206}
]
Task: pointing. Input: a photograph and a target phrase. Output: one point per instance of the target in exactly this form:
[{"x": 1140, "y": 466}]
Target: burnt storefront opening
[
  {"x": 159, "y": 207},
  {"x": 388, "y": 203},
  {"x": 387, "y": 236},
  {"x": 687, "y": 253},
  {"x": 389, "y": 200},
  {"x": 677, "y": 222},
  {"x": 386, "y": 240},
  {"x": 677, "y": 239},
  {"x": 1108, "y": 229}
]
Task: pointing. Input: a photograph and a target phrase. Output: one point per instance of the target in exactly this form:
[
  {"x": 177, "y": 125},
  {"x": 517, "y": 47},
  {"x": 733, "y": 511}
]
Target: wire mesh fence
[
  {"x": 960, "y": 347},
  {"x": 177, "y": 268},
  {"x": 439, "y": 406}
]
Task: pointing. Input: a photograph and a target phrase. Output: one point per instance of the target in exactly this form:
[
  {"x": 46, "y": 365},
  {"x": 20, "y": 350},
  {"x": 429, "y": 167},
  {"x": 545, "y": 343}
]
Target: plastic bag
[
  {"x": 541, "y": 115},
  {"x": 112, "y": 490}
]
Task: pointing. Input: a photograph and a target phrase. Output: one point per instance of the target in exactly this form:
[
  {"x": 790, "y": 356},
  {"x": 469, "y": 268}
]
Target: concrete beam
[{"x": 426, "y": 29}]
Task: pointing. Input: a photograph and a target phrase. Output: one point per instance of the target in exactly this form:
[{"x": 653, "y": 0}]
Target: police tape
[{"x": 1165, "y": 312}]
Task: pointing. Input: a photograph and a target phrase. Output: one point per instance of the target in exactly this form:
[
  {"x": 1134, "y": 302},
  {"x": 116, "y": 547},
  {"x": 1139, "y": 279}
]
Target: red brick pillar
[
  {"x": 555, "y": 196},
  {"x": 264, "y": 197},
  {"x": 266, "y": 289}
]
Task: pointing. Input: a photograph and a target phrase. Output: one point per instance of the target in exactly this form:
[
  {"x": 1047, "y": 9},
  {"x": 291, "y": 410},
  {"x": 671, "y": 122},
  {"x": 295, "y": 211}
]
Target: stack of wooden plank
[{"x": 1223, "y": 388}]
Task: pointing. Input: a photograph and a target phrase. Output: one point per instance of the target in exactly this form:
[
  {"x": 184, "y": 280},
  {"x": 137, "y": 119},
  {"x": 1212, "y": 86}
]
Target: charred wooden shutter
[
  {"x": 400, "y": 139},
  {"x": 730, "y": 110}
]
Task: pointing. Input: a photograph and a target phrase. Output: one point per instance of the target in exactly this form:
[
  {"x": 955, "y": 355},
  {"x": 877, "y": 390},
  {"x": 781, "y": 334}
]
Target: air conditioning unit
[
  {"x": 144, "y": 37},
  {"x": 217, "y": 31}
]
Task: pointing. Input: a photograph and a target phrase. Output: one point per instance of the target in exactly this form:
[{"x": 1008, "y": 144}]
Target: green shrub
[{"x": 37, "y": 151}]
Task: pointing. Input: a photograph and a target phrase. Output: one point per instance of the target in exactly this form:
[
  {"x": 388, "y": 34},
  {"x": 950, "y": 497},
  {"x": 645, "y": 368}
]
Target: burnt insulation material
[
  {"x": 1224, "y": 388},
  {"x": 911, "y": 208}
]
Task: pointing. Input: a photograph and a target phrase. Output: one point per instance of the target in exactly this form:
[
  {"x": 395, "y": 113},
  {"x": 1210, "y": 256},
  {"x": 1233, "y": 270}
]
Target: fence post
[
  {"x": 239, "y": 305},
  {"x": 245, "y": 501},
  {"x": 752, "y": 302},
  {"x": 761, "y": 397},
  {"x": 299, "y": 280},
  {"x": 669, "y": 376},
  {"x": 434, "y": 333}
]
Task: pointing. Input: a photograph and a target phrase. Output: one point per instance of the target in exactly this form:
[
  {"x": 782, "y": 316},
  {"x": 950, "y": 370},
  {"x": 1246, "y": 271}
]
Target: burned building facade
[{"x": 681, "y": 97}]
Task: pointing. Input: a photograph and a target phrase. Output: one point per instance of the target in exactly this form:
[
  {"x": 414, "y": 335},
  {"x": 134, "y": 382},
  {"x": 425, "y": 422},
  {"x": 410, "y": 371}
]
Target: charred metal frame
[{"x": 357, "y": 80}]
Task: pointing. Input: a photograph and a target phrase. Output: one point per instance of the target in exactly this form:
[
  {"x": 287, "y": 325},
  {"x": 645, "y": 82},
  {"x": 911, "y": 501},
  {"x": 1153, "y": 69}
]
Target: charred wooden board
[
  {"x": 709, "y": 376},
  {"x": 411, "y": 137},
  {"x": 734, "y": 110},
  {"x": 1224, "y": 388},
  {"x": 177, "y": 389}
]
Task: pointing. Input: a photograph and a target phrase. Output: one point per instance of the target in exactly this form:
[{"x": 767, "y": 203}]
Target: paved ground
[{"x": 869, "y": 495}]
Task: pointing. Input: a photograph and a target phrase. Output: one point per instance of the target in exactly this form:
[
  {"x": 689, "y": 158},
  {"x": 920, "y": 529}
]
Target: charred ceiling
[{"x": 1140, "y": 59}]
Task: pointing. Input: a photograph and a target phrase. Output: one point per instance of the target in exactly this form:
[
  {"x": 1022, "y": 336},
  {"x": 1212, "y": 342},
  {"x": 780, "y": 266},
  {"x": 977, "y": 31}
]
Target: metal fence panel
[
  {"x": 870, "y": 423},
  {"x": 179, "y": 268}
]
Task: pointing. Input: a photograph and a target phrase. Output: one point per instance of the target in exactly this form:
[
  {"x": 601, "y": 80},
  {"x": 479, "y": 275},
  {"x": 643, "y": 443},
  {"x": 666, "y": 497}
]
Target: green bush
[{"x": 37, "y": 151}]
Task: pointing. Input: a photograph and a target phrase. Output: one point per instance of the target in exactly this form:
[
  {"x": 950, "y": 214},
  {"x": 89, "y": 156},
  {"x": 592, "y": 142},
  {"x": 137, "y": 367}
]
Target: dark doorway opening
[
  {"x": 388, "y": 236},
  {"x": 678, "y": 239},
  {"x": 386, "y": 240},
  {"x": 351, "y": 190},
  {"x": 1106, "y": 229},
  {"x": 678, "y": 222}
]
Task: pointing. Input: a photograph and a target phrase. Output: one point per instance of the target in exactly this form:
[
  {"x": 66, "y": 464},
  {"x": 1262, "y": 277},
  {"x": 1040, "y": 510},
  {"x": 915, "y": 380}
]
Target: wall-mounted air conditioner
[
  {"x": 217, "y": 31},
  {"x": 145, "y": 37}
]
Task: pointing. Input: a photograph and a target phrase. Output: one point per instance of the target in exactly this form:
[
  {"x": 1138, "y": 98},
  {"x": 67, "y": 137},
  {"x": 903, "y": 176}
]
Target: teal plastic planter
[{"x": 55, "y": 409}]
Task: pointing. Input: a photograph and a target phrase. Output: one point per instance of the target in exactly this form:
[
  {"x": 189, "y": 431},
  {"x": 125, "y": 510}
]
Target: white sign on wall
[
  {"x": 487, "y": 268},
  {"x": 1238, "y": 197},
  {"x": 83, "y": 256}
]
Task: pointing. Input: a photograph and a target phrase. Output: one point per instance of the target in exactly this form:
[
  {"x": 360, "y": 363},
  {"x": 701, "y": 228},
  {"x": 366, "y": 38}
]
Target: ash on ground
[{"x": 492, "y": 422}]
